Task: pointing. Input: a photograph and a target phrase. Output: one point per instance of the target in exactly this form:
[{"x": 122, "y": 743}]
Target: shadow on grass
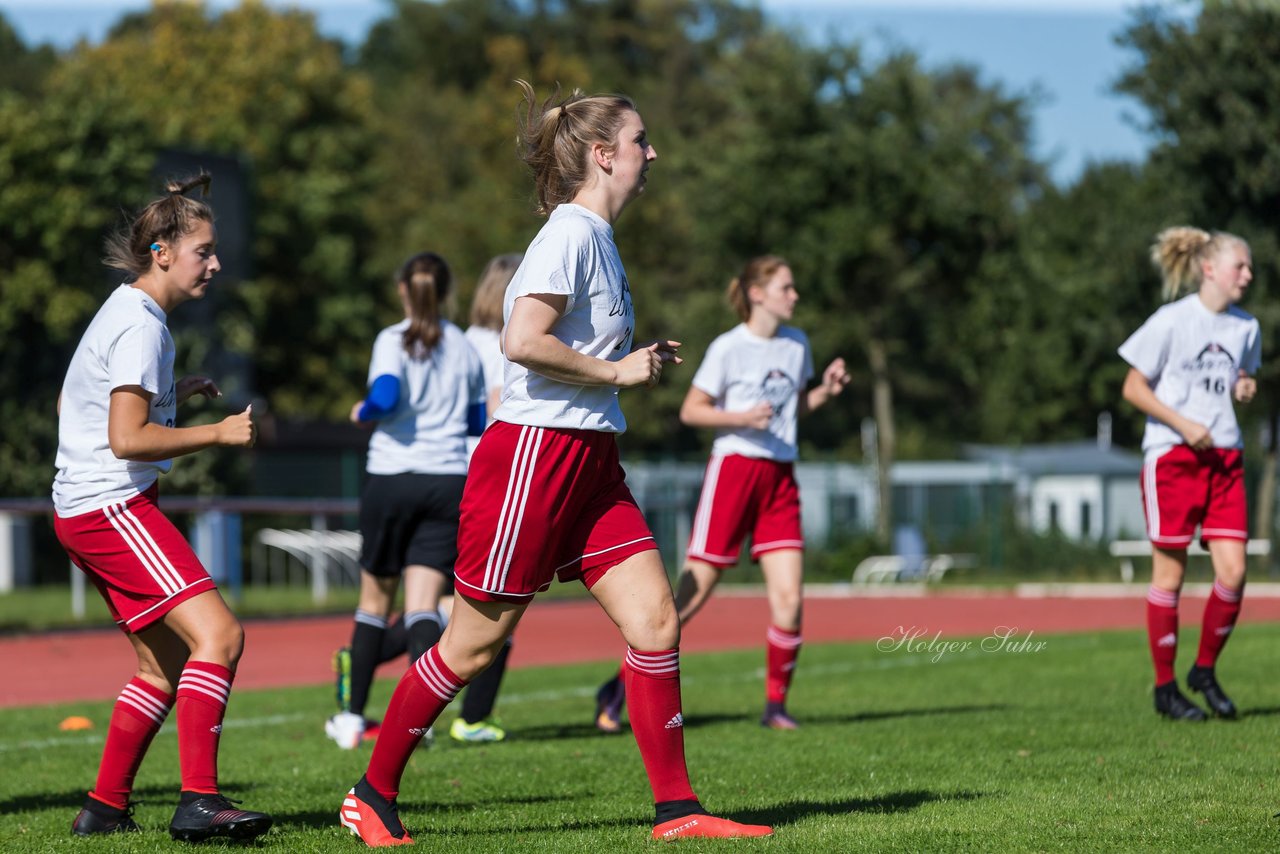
[
  {"x": 891, "y": 802},
  {"x": 73, "y": 799},
  {"x": 694, "y": 721},
  {"x": 778, "y": 816},
  {"x": 1264, "y": 712},
  {"x": 410, "y": 806}
]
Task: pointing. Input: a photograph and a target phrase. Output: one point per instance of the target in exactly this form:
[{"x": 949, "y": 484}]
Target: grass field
[{"x": 1049, "y": 749}]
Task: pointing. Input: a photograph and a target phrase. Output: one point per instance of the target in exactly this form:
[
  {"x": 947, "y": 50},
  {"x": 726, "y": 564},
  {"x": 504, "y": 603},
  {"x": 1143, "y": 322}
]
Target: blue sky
[{"x": 1062, "y": 49}]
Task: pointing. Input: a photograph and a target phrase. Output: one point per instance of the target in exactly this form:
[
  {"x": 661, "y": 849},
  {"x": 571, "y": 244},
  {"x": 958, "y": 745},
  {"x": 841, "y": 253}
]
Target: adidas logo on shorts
[{"x": 676, "y": 722}]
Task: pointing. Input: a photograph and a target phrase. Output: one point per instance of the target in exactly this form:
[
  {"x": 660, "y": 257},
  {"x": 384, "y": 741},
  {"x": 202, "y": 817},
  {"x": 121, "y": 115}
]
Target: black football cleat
[
  {"x": 200, "y": 817},
  {"x": 1202, "y": 679},
  {"x": 1171, "y": 703},
  {"x": 96, "y": 817}
]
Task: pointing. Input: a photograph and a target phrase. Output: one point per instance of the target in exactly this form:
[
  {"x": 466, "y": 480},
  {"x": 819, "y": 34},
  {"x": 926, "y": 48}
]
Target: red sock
[
  {"x": 424, "y": 690},
  {"x": 1162, "y": 631},
  {"x": 139, "y": 711},
  {"x": 1220, "y": 614},
  {"x": 780, "y": 663},
  {"x": 653, "y": 694},
  {"x": 202, "y": 702}
]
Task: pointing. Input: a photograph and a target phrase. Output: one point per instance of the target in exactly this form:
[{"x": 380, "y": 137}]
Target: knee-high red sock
[
  {"x": 139, "y": 711},
  {"x": 424, "y": 690},
  {"x": 1162, "y": 631},
  {"x": 653, "y": 693},
  {"x": 203, "y": 690},
  {"x": 783, "y": 647},
  {"x": 1220, "y": 614}
]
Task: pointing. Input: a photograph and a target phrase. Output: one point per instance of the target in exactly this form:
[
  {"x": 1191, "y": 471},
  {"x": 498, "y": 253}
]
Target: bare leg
[{"x": 694, "y": 586}]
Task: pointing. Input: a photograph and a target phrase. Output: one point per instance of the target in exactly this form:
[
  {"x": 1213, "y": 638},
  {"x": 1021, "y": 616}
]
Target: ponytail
[
  {"x": 167, "y": 219},
  {"x": 1178, "y": 253},
  {"x": 756, "y": 273},
  {"x": 426, "y": 279}
]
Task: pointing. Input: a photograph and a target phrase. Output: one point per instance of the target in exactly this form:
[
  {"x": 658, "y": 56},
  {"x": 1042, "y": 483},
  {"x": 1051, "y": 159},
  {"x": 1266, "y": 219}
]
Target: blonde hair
[
  {"x": 1178, "y": 253},
  {"x": 756, "y": 273},
  {"x": 169, "y": 218},
  {"x": 491, "y": 289},
  {"x": 555, "y": 138},
  {"x": 426, "y": 279}
]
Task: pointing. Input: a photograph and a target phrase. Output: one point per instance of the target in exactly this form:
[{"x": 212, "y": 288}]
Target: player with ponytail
[
  {"x": 117, "y": 434},
  {"x": 1189, "y": 363}
]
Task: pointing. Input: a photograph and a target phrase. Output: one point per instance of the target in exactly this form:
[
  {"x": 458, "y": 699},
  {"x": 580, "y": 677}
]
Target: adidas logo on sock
[
  {"x": 676, "y": 722},
  {"x": 1170, "y": 639},
  {"x": 1223, "y": 631},
  {"x": 418, "y": 730},
  {"x": 216, "y": 730}
]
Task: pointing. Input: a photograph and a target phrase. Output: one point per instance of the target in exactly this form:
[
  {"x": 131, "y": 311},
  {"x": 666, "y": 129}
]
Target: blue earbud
[{"x": 155, "y": 247}]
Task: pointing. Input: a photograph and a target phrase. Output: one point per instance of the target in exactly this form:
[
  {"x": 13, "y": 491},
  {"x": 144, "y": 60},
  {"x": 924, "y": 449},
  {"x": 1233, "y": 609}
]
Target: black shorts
[{"x": 410, "y": 520}]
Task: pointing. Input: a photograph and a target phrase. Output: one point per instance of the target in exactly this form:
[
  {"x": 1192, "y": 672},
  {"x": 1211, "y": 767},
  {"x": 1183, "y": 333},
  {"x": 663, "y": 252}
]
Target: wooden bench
[{"x": 1127, "y": 550}]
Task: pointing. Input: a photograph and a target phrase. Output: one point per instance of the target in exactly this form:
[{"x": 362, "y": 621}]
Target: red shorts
[
  {"x": 742, "y": 495},
  {"x": 541, "y": 503},
  {"x": 137, "y": 559},
  {"x": 1183, "y": 488}
]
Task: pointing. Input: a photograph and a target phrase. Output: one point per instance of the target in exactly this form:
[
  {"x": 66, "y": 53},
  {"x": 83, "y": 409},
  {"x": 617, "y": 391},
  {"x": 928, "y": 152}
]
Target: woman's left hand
[
  {"x": 835, "y": 377},
  {"x": 1245, "y": 388},
  {"x": 187, "y": 387}
]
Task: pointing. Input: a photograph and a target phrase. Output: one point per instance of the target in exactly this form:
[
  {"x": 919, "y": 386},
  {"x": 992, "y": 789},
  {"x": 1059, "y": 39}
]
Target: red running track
[{"x": 93, "y": 665}]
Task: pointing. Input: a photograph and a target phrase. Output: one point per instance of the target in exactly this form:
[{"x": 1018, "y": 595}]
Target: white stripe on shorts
[
  {"x": 144, "y": 548},
  {"x": 702, "y": 516},
  {"x": 513, "y": 504}
]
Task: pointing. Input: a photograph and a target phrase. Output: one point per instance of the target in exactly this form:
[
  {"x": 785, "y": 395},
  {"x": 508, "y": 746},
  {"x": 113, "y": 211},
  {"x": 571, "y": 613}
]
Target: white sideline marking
[{"x": 886, "y": 661}]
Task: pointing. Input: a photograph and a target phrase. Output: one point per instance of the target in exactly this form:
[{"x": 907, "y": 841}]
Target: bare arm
[
  {"x": 527, "y": 341},
  {"x": 1137, "y": 390},
  {"x": 834, "y": 380},
  {"x": 699, "y": 410},
  {"x": 133, "y": 437}
]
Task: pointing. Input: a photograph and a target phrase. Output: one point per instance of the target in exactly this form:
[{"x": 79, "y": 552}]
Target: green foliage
[{"x": 905, "y": 197}]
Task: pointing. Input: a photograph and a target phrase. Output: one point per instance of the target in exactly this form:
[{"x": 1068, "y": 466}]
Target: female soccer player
[
  {"x": 426, "y": 392},
  {"x": 751, "y": 388},
  {"x": 1187, "y": 363},
  {"x": 116, "y": 436},
  {"x": 546, "y": 496}
]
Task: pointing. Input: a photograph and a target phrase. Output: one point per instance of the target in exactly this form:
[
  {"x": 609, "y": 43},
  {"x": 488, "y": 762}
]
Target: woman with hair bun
[
  {"x": 116, "y": 435},
  {"x": 1189, "y": 363},
  {"x": 546, "y": 496}
]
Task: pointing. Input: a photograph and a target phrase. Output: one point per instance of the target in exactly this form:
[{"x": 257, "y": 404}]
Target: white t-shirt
[
  {"x": 488, "y": 346},
  {"x": 427, "y": 431},
  {"x": 573, "y": 255},
  {"x": 127, "y": 343},
  {"x": 740, "y": 370},
  {"x": 1192, "y": 357}
]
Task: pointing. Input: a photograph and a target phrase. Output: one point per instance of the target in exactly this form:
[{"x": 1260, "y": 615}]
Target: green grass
[{"x": 1050, "y": 750}]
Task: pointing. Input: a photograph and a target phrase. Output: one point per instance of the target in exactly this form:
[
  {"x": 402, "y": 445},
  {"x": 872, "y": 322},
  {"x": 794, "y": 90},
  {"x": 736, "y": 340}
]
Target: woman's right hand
[
  {"x": 644, "y": 365},
  {"x": 1196, "y": 435},
  {"x": 238, "y": 431},
  {"x": 758, "y": 416}
]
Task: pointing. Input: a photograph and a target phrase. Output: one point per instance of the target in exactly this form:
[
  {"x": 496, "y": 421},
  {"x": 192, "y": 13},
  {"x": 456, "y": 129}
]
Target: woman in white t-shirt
[
  {"x": 751, "y": 387},
  {"x": 546, "y": 495},
  {"x": 1188, "y": 363},
  {"x": 116, "y": 435},
  {"x": 426, "y": 393}
]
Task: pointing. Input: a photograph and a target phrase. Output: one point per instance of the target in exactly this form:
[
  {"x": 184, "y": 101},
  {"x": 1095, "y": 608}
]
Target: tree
[{"x": 887, "y": 187}]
